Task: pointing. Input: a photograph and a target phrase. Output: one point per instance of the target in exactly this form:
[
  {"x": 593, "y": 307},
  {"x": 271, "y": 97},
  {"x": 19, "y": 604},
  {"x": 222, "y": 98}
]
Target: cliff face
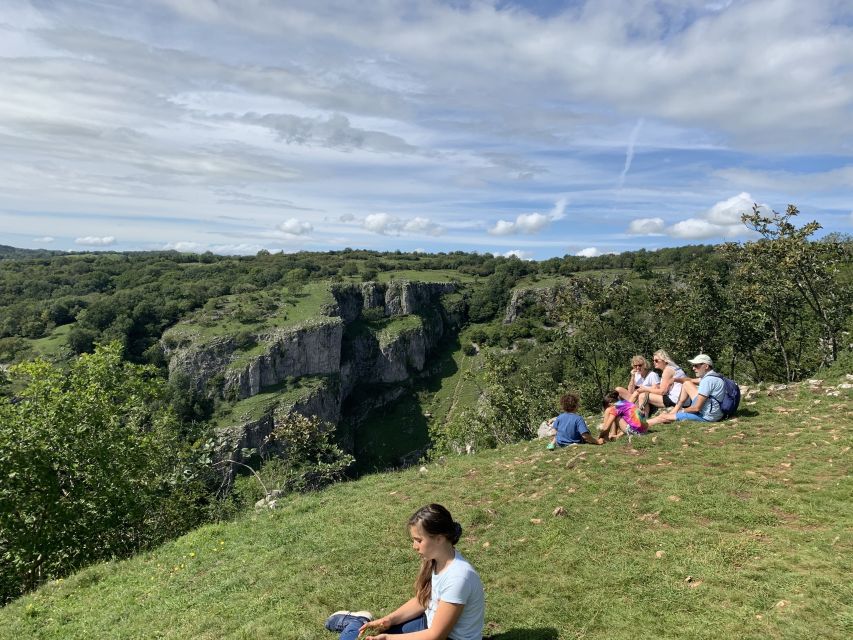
[
  {"x": 308, "y": 350},
  {"x": 544, "y": 300},
  {"x": 219, "y": 367},
  {"x": 372, "y": 333},
  {"x": 392, "y": 299}
]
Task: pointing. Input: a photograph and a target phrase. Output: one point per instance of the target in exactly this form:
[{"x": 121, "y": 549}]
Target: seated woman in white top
[
  {"x": 665, "y": 393},
  {"x": 642, "y": 375},
  {"x": 449, "y": 601}
]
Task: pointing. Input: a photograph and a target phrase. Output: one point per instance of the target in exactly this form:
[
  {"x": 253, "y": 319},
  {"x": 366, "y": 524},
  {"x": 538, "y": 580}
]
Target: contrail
[{"x": 629, "y": 156}]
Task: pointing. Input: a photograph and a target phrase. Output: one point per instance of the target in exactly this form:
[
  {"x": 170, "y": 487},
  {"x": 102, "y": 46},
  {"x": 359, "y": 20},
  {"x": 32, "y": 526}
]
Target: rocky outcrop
[
  {"x": 541, "y": 300},
  {"x": 393, "y": 299},
  {"x": 220, "y": 368},
  {"x": 323, "y": 401},
  {"x": 310, "y": 349},
  {"x": 384, "y": 348}
]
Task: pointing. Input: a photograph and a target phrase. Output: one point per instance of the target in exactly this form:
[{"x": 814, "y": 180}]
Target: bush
[
  {"x": 92, "y": 468},
  {"x": 311, "y": 459}
]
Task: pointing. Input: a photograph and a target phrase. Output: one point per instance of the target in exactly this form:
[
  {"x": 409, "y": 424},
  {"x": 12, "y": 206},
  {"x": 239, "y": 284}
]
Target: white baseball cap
[{"x": 702, "y": 359}]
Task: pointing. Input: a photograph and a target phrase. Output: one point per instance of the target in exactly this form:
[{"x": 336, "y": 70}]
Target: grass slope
[{"x": 735, "y": 530}]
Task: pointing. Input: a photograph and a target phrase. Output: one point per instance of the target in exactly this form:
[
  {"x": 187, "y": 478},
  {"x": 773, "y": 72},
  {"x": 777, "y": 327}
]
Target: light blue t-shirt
[
  {"x": 460, "y": 584},
  {"x": 713, "y": 388}
]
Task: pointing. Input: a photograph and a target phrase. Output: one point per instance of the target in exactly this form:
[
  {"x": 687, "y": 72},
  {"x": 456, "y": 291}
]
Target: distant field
[
  {"x": 426, "y": 275},
  {"x": 51, "y": 346}
]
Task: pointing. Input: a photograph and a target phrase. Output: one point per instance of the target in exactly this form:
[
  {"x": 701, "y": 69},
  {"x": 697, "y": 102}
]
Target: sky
[{"x": 533, "y": 128}]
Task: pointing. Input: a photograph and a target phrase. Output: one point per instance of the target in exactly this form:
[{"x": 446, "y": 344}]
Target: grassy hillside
[{"x": 742, "y": 529}]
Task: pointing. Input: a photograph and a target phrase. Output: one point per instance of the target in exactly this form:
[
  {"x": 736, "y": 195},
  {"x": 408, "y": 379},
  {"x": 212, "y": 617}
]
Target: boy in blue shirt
[{"x": 569, "y": 426}]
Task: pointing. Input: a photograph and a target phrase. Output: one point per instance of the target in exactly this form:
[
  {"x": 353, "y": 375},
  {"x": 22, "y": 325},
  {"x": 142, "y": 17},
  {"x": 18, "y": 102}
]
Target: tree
[
  {"x": 91, "y": 468},
  {"x": 811, "y": 268}
]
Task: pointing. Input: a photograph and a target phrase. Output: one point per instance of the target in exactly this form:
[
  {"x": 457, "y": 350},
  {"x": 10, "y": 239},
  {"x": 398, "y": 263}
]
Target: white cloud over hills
[
  {"x": 419, "y": 123},
  {"x": 721, "y": 221}
]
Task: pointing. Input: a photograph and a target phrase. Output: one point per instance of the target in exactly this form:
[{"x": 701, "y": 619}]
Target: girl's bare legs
[
  {"x": 609, "y": 425},
  {"x": 621, "y": 430}
]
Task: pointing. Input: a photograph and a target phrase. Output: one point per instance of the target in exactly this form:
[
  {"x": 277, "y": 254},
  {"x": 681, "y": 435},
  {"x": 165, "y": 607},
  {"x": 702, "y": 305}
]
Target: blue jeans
[
  {"x": 350, "y": 632},
  {"x": 683, "y": 415}
]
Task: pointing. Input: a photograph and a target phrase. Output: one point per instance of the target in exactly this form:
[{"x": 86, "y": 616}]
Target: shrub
[
  {"x": 306, "y": 445},
  {"x": 92, "y": 468}
]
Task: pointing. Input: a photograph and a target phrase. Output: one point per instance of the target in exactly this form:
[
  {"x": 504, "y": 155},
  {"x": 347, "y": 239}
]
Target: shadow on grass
[
  {"x": 746, "y": 413},
  {"x": 526, "y": 634}
]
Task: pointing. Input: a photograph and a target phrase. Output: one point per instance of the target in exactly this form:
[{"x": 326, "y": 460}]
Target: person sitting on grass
[
  {"x": 642, "y": 375},
  {"x": 700, "y": 397},
  {"x": 449, "y": 600},
  {"x": 666, "y": 393},
  {"x": 569, "y": 426},
  {"x": 621, "y": 417}
]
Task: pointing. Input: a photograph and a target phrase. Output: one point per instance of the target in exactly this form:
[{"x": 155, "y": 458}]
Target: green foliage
[
  {"x": 492, "y": 296},
  {"x": 91, "y": 467},
  {"x": 308, "y": 457},
  {"x": 603, "y": 327},
  {"x": 514, "y": 399}
]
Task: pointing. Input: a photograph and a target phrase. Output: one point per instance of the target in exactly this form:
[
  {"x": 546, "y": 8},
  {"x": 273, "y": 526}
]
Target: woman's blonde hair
[
  {"x": 436, "y": 521},
  {"x": 663, "y": 355},
  {"x": 641, "y": 360}
]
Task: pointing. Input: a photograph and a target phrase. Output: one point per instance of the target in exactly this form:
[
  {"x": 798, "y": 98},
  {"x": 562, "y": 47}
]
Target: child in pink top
[{"x": 621, "y": 417}]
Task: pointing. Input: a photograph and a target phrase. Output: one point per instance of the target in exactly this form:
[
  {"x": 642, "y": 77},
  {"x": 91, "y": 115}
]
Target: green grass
[
  {"x": 439, "y": 275},
  {"x": 254, "y": 312},
  {"x": 742, "y": 529},
  {"x": 51, "y": 346}
]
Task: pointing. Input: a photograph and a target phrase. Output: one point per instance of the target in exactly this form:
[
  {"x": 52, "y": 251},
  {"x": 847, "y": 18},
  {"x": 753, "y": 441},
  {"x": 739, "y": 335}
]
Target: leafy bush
[
  {"x": 311, "y": 458},
  {"x": 92, "y": 468}
]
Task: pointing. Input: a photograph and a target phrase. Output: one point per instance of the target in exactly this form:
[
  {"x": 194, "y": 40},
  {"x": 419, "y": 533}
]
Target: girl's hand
[{"x": 379, "y": 625}]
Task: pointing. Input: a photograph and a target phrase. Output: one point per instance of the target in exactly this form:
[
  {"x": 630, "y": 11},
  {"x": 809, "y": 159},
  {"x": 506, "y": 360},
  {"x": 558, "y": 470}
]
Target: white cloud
[
  {"x": 589, "y": 252},
  {"x": 184, "y": 246},
  {"x": 295, "y": 227},
  {"x": 502, "y": 228},
  {"x": 559, "y": 210},
  {"x": 243, "y": 249},
  {"x": 382, "y": 223},
  {"x": 518, "y": 253},
  {"x": 44, "y": 239},
  {"x": 386, "y": 224},
  {"x": 95, "y": 241},
  {"x": 646, "y": 226},
  {"x": 346, "y": 217},
  {"x": 728, "y": 212},
  {"x": 722, "y": 220},
  {"x": 530, "y": 223},
  {"x": 421, "y": 225}
]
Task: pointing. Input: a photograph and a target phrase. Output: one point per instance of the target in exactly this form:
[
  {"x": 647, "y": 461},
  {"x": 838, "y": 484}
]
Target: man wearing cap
[{"x": 705, "y": 392}]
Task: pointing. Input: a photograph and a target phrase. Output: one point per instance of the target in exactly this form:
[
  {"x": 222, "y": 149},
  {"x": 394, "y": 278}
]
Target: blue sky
[{"x": 538, "y": 128}]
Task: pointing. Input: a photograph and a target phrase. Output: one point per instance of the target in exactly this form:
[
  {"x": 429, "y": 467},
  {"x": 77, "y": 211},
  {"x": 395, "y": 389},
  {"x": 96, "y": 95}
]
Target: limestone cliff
[
  {"x": 543, "y": 301},
  {"x": 372, "y": 333}
]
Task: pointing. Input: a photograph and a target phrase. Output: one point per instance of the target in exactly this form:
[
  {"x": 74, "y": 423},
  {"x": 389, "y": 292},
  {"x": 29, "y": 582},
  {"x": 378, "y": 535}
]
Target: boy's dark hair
[
  {"x": 569, "y": 402},
  {"x": 611, "y": 397}
]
